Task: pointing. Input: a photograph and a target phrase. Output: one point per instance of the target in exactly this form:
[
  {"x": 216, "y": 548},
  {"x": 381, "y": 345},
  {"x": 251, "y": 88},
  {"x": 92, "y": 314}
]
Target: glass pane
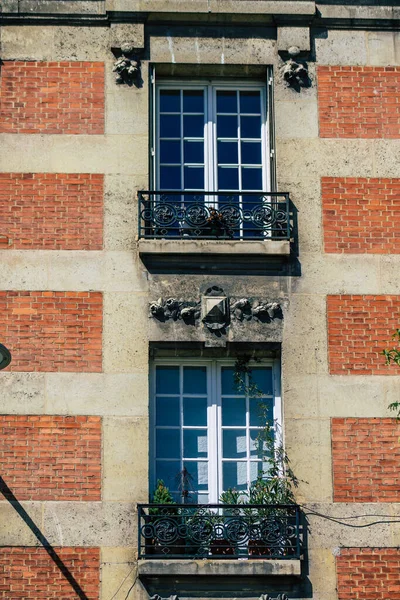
[
  {"x": 251, "y": 178},
  {"x": 226, "y": 102},
  {"x": 167, "y": 411},
  {"x": 195, "y": 412},
  {"x": 250, "y": 102},
  {"x": 170, "y": 101},
  {"x": 170, "y": 151},
  {"x": 234, "y": 411},
  {"x": 234, "y": 443},
  {"x": 194, "y": 178},
  {"x": 228, "y": 178},
  {"x": 261, "y": 412},
  {"x": 168, "y": 444},
  {"x": 168, "y": 471},
  {"x": 167, "y": 380},
  {"x": 193, "y": 101},
  {"x": 195, "y": 443},
  {"x": 255, "y": 470},
  {"x": 262, "y": 377},
  {"x": 170, "y": 126},
  {"x": 251, "y": 153},
  {"x": 250, "y": 127},
  {"x": 193, "y": 126},
  {"x": 257, "y": 444},
  {"x": 195, "y": 380},
  {"x": 170, "y": 178},
  {"x": 234, "y": 475},
  {"x": 228, "y": 153},
  {"x": 198, "y": 472},
  {"x": 228, "y": 382},
  {"x": 227, "y": 127},
  {"x": 194, "y": 152}
]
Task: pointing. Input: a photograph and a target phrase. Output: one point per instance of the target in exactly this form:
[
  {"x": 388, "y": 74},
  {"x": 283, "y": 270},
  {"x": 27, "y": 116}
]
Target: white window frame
[
  {"x": 211, "y": 87},
  {"x": 213, "y": 414}
]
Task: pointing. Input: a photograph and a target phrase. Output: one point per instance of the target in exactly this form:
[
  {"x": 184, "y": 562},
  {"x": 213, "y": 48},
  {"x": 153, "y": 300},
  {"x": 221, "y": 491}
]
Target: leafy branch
[{"x": 392, "y": 356}]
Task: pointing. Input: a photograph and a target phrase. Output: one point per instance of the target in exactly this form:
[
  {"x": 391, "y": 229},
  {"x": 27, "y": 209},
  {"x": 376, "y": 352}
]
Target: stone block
[
  {"x": 122, "y": 33},
  {"x": 308, "y": 444},
  {"x": 304, "y": 158},
  {"x": 339, "y": 273},
  {"x": 14, "y": 531},
  {"x": 304, "y": 346},
  {"x": 340, "y": 47},
  {"x": 383, "y": 48},
  {"x": 121, "y": 211},
  {"x": 296, "y": 119},
  {"x": 386, "y": 158},
  {"x": 293, "y": 36},
  {"x": 74, "y": 153},
  {"x": 125, "y": 462},
  {"x": 125, "y": 333},
  {"x": 124, "y": 394},
  {"x": 22, "y": 393},
  {"x": 90, "y": 523},
  {"x": 118, "y": 572}
]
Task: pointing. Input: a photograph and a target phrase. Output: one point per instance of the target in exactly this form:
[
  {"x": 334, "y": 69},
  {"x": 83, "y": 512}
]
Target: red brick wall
[
  {"x": 366, "y": 459},
  {"x": 368, "y": 574},
  {"x": 52, "y": 97},
  {"x": 46, "y": 457},
  {"x": 359, "y": 328},
  {"x": 52, "y": 331},
  {"x": 361, "y": 215},
  {"x": 52, "y": 211},
  {"x": 27, "y": 572},
  {"x": 359, "y": 102}
]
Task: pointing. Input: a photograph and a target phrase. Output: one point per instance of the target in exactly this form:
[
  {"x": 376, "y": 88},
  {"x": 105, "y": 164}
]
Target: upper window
[
  {"x": 211, "y": 137},
  {"x": 206, "y": 428}
]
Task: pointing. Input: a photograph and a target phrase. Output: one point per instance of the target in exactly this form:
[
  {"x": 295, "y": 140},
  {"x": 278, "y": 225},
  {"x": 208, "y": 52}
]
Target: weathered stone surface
[
  {"x": 125, "y": 467},
  {"x": 293, "y": 36},
  {"x": 209, "y": 568}
]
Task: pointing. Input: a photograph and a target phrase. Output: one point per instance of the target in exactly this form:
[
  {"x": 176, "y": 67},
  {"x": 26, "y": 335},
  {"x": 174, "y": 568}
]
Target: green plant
[
  {"x": 161, "y": 495},
  {"x": 392, "y": 356}
]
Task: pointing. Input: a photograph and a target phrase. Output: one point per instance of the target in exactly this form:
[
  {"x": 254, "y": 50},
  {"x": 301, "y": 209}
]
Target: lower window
[{"x": 205, "y": 423}]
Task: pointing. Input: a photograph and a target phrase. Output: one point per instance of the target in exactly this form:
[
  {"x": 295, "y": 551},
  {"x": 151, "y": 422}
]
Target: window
[
  {"x": 211, "y": 137},
  {"x": 202, "y": 423}
]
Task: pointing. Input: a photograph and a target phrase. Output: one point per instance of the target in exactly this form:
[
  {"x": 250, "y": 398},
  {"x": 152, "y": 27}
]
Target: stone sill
[
  {"x": 183, "y": 247},
  {"x": 227, "y": 568}
]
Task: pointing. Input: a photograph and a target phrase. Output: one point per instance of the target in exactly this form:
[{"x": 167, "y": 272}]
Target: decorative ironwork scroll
[
  {"x": 214, "y": 215},
  {"x": 215, "y": 531}
]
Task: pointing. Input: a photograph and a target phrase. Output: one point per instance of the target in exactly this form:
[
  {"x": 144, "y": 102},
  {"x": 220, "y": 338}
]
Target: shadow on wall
[{"x": 9, "y": 496}]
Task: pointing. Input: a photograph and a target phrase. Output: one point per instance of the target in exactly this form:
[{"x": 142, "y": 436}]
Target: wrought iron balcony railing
[
  {"x": 214, "y": 215},
  {"x": 213, "y": 531}
]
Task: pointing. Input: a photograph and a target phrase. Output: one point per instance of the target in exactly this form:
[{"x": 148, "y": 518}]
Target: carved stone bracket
[
  {"x": 127, "y": 66},
  {"x": 215, "y": 310},
  {"x": 295, "y": 73},
  {"x": 157, "y": 597},
  {"x": 268, "y": 597}
]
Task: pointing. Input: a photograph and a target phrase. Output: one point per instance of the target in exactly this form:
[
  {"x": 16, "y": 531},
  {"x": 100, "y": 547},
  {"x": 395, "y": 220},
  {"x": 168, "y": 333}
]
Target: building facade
[{"x": 198, "y": 197}]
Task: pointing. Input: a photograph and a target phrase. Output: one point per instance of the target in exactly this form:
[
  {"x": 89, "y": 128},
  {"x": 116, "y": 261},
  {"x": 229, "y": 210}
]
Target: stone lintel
[{"x": 237, "y": 568}]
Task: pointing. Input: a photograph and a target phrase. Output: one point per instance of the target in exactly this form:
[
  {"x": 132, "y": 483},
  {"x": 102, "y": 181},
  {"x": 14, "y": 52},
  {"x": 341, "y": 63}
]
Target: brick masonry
[
  {"x": 359, "y": 328},
  {"x": 361, "y": 215},
  {"x": 51, "y": 211},
  {"x": 359, "y": 102},
  {"x": 368, "y": 574},
  {"x": 52, "y": 331},
  {"x": 46, "y": 457},
  {"x": 31, "y": 573},
  {"x": 366, "y": 458},
  {"x": 52, "y": 97}
]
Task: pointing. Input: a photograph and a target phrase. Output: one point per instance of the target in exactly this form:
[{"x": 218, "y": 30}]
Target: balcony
[
  {"x": 214, "y": 230},
  {"x": 266, "y": 539}
]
